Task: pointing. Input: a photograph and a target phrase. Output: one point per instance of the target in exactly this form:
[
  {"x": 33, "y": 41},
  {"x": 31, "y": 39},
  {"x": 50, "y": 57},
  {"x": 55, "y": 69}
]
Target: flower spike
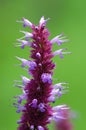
[{"x": 39, "y": 91}]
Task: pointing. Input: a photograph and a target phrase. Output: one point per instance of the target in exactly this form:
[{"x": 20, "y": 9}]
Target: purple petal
[
  {"x": 41, "y": 107},
  {"x": 27, "y": 34},
  {"x": 32, "y": 65},
  {"x": 38, "y": 55},
  {"x": 42, "y": 21},
  {"x": 34, "y": 103},
  {"x": 46, "y": 78},
  {"x": 22, "y": 97},
  {"x": 24, "y": 61},
  {"x": 23, "y": 43},
  {"x": 20, "y": 108},
  {"x": 40, "y": 128},
  {"x": 32, "y": 127},
  {"x": 51, "y": 99},
  {"x": 59, "y": 40},
  {"x": 26, "y": 22},
  {"x": 25, "y": 80}
]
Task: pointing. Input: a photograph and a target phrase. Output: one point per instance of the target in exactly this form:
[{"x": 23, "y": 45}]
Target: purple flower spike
[
  {"x": 39, "y": 91},
  {"x": 46, "y": 78}
]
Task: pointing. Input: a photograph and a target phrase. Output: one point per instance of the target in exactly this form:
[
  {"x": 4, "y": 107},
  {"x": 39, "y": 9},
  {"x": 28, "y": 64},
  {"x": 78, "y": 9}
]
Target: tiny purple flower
[
  {"x": 34, "y": 103},
  {"x": 30, "y": 64},
  {"x": 27, "y": 35},
  {"x": 19, "y": 121},
  {"x": 60, "y": 53},
  {"x": 59, "y": 85},
  {"x": 43, "y": 22},
  {"x": 38, "y": 55},
  {"x": 20, "y": 108},
  {"x": 40, "y": 128},
  {"x": 32, "y": 127},
  {"x": 59, "y": 40},
  {"x": 26, "y": 23},
  {"x": 52, "y": 98},
  {"x": 41, "y": 107},
  {"x": 24, "y": 61},
  {"x": 23, "y": 43},
  {"x": 25, "y": 80},
  {"x": 46, "y": 78},
  {"x": 22, "y": 97}
]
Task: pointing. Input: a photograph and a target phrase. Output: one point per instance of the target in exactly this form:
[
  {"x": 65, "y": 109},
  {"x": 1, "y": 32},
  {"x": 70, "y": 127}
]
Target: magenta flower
[{"x": 39, "y": 92}]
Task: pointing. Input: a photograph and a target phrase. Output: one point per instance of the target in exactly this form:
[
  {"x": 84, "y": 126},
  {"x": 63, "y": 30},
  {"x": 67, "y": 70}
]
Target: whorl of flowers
[{"x": 39, "y": 92}]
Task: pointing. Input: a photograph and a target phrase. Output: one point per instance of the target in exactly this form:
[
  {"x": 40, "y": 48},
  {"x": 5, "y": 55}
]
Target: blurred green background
[{"x": 68, "y": 16}]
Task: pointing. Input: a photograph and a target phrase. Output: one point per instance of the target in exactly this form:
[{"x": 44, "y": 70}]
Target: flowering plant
[{"x": 39, "y": 92}]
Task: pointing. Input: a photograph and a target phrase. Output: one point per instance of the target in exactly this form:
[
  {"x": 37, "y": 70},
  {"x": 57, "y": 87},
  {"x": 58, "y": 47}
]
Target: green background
[{"x": 68, "y": 16}]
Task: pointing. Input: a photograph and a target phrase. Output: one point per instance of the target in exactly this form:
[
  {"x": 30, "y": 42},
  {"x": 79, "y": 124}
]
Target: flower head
[{"x": 39, "y": 90}]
